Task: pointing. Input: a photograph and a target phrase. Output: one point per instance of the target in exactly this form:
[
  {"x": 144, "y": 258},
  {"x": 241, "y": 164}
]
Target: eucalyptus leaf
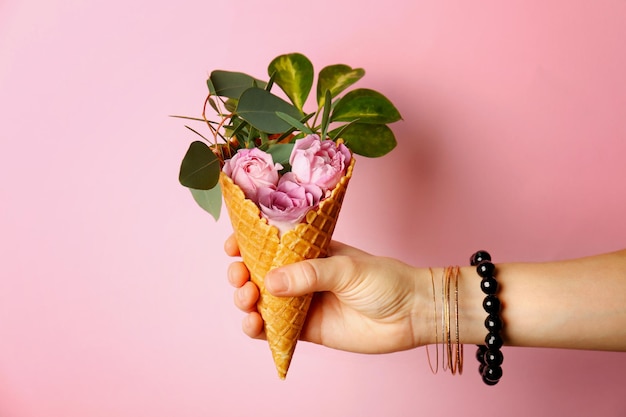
[
  {"x": 209, "y": 200},
  {"x": 259, "y": 107},
  {"x": 367, "y": 105},
  {"x": 210, "y": 85},
  {"x": 281, "y": 152},
  {"x": 231, "y": 84},
  {"x": 294, "y": 75},
  {"x": 366, "y": 139},
  {"x": 200, "y": 168},
  {"x": 214, "y": 105},
  {"x": 336, "y": 78},
  {"x": 231, "y": 104}
]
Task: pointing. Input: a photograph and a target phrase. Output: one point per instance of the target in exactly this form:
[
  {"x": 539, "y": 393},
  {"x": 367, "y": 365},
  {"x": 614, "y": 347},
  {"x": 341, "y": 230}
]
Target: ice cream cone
[{"x": 262, "y": 249}]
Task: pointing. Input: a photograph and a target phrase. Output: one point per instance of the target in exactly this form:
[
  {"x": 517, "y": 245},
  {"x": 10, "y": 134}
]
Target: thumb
[{"x": 305, "y": 277}]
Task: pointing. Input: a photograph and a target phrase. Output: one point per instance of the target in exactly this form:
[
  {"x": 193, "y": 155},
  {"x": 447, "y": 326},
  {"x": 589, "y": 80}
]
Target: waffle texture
[{"x": 262, "y": 249}]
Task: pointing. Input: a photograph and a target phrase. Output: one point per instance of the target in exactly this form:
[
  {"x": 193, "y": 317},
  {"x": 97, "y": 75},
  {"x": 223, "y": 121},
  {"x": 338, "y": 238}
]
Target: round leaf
[
  {"x": 294, "y": 75},
  {"x": 336, "y": 78},
  {"x": 259, "y": 107},
  {"x": 366, "y": 106},
  {"x": 370, "y": 140},
  {"x": 200, "y": 168},
  {"x": 231, "y": 84},
  {"x": 209, "y": 200}
]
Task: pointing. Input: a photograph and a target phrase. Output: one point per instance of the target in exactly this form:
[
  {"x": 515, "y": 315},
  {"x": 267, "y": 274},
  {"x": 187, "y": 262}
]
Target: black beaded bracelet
[{"x": 489, "y": 354}]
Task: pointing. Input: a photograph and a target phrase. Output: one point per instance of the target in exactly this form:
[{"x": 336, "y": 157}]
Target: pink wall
[{"x": 113, "y": 297}]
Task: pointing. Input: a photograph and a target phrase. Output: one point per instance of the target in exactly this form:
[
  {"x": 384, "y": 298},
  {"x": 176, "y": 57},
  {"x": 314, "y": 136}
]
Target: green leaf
[
  {"x": 295, "y": 123},
  {"x": 209, "y": 200},
  {"x": 294, "y": 75},
  {"x": 259, "y": 107},
  {"x": 367, "y": 105},
  {"x": 336, "y": 133},
  {"x": 281, "y": 152},
  {"x": 231, "y": 84},
  {"x": 231, "y": 104},
  {"x": 210, "y": 85},
  {"x": 214, "y": 105},
  {"x": 326, "y": 114},
  {"x": 196, "y": 132},
  {"x": 370, "y": 140},
  {"x": 200, "y": 168},
  {"x": 336, "y": 78},
  {"x": 196, "y": 119},
  {"x": 240, "y": 126}
]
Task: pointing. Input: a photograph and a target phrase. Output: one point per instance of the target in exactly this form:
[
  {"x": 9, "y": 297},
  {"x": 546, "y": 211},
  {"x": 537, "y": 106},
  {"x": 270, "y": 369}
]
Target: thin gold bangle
[
  {"x": 456, "y": 360},
  {"x": 459, "y": 346},
  {"x": 436, "y": 369},
  {"x": 444, "y": 332},
  {"x": 448, "y": 338},
  {"x": 451, "y": 359},
  {"x": 451, "y": 353}
]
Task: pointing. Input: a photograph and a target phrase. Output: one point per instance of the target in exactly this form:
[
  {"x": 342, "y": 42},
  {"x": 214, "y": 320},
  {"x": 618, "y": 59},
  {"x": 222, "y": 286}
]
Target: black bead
[
  {"x": 492, "y": 374},
  {"x": 488, "y": 382},
  {"x": 485, "y": 269},
  {"x": 493, "y": 323},
  {"x": 489, "y": 285},
  {"x": 489, "y": 355},
  {"x": 493, "y": 341},
  {"x": 480, "y": 353},
  {"x": 493, "y": 358},
  {"x": 491, "y": 304},
  {"x": 479, "y": 256}
]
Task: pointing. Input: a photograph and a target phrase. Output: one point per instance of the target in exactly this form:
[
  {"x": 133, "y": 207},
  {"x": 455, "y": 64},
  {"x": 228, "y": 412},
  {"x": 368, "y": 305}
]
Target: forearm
[{"x": 577, "y": 304}]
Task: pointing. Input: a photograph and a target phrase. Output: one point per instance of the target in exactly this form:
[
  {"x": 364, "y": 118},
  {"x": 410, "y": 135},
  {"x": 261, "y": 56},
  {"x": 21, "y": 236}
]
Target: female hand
[
  {"x": 370, "y": 304},
  {"x": 362, "y": 303}
]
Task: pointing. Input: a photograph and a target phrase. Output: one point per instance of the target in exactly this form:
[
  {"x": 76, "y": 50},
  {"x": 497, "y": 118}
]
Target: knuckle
[{"x": 310, "y": 275}]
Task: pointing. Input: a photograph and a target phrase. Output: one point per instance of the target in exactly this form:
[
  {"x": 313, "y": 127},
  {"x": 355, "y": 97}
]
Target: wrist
[
  {"x": 425, "y": 314},
  {"x": 428, "y": 307}
]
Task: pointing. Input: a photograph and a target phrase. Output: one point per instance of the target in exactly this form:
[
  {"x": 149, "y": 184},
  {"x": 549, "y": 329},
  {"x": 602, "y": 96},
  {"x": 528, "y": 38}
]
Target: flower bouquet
[{"x": 281, "y": 171}]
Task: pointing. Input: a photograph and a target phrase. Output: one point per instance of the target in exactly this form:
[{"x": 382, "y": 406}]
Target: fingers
[
  {"x": 245, "y": 298},
  {"x": 237, "y": 274},
  {"x": 246, "y": 293},
  {"x": 231, "y": 247},
  {"x": 327, "y": 274},
  {"x": 252, "y": 325},
  {"x": 301, "y": 278}
]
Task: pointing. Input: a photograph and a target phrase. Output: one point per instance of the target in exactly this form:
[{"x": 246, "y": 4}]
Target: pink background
[{"x": 113, "y": 296}]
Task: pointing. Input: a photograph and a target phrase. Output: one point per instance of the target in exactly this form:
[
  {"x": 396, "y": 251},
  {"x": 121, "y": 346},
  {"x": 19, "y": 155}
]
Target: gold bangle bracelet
[
  {"x": 459, "y": 346},
  {"x": 436, "y": 369}
]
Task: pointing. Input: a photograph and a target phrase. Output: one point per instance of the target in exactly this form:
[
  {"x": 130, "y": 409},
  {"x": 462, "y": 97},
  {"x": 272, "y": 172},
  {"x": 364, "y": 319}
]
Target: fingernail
[{"x": 276, "y": 282}]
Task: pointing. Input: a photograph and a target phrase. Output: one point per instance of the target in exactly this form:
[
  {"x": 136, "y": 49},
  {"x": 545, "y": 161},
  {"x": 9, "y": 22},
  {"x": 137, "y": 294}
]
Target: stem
[
  {"x": 317, "y": 113},
  {"x": 216, "y": 130}
]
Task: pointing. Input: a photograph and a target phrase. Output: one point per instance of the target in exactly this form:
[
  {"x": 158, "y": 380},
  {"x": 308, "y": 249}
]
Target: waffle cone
[{"x": 262, "y": 249}]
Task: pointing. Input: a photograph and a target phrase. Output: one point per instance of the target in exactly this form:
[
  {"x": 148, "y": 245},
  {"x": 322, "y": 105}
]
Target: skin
[{"x": 370, "y": 304}]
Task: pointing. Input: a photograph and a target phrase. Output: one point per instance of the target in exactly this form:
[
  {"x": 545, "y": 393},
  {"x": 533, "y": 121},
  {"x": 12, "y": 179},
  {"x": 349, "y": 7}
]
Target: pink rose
[
  {"x": 252, "y": 169},
  {"x": 320, "y": 162},
  {"x": 286, "y": 206}
]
